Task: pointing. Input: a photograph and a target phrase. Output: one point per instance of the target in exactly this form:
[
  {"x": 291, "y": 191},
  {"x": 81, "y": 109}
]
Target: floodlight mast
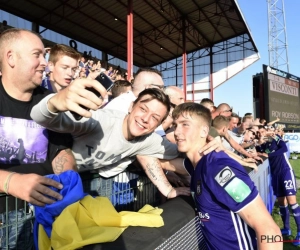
[{"x": 277, "y": 43}]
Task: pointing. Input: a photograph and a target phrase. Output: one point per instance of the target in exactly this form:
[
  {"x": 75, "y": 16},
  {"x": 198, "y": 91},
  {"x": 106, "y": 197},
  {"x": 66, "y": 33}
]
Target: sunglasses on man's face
[{"x": 228, "y": 110}]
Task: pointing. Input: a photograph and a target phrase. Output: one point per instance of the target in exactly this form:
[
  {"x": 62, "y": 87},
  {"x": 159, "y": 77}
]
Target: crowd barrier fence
[{"x": 131, "y": 192}]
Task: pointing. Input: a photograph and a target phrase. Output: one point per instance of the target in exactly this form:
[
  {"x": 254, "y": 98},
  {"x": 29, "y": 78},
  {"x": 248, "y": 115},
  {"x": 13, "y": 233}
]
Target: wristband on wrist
[
  {"x": 7, "y": 180},
  {"x": 169, "y": 192}
]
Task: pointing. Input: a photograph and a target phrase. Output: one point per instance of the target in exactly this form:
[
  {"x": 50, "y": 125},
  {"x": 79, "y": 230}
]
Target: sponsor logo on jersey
[
  {"x": 198, "y": 190},
  {"x": 224, "y": 176},
  {"x": 204, "y": 216},
  {"x": 238, "y": 189}
]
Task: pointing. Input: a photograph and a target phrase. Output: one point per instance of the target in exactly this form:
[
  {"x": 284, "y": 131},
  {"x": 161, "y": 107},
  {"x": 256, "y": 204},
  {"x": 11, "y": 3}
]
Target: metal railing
[
  {"x": 16, "y": 223},
  {"x": 190, "y": 236},
  {"x": 126, "y": 191}
]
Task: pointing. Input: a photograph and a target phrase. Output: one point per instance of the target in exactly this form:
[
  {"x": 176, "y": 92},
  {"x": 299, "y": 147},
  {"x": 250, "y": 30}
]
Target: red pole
[
  {"x": 129, "y": 40},
  {"x": 184, "y": 58}
]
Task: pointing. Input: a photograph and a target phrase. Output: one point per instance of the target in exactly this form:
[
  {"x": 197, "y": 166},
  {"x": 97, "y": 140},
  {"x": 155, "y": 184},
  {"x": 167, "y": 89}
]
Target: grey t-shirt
[{"x": 99, "y": 142}]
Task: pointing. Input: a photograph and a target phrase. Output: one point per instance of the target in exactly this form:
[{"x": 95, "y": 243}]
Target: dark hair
[
  {"x": 234, "y": 115},
  {"x": 262, "y": 121},
  {"x": 156, "y": 94},
  {"x": 206, "y": 100},
  {"x": 246, "y": 117},
  {"x": 119, "y": 87},
  {"x": 261, "y": 126},
  {"x": 191, "y": 109},
  {"x": 248, "y": 114}
]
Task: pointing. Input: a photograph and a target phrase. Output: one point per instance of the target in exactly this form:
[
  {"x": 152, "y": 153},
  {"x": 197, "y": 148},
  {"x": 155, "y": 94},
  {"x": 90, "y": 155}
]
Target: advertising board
[
  {"x": 282, "y": 97},
  {"x": 294, "y": 141}
]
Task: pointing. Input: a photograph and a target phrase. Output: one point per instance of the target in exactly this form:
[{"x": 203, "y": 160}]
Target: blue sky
[{"x": 238, "y": 91}]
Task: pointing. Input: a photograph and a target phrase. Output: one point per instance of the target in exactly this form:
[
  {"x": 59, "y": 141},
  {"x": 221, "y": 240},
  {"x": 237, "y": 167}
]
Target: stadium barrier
[{"x": 131, "y": 192}]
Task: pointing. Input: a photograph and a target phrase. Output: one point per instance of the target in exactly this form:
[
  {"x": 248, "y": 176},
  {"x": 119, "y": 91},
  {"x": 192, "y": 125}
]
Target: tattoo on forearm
[
  {"x": 151, "y": 167},
  {"x": 155, "y": 171},
  {"x": 61, "y": 160}
]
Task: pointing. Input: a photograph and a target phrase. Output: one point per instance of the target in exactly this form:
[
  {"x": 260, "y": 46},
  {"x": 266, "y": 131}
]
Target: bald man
[
  {"x": 223, "y": 109},
  {"x": 175, "y": 94},
  {"x": 29, "y": 151},
  {"x": 145, "y": 78}
]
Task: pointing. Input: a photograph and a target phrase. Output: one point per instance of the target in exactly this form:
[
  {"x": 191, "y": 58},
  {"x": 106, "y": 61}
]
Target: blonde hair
[
  {"x": 191, "y": 108},
  {"x": 59, "y": 50}
]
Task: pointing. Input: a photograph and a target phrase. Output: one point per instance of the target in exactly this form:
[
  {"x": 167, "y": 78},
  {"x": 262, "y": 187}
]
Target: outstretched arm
[
  {"x": 257, "y": 217},
  {"x": 175, "y": 165},
  {"x": 32, "y": 188},
  {"x": 239, "y": 148},
  {"x": 64, "y": 161},
  {"x": 155, "y": 173},
  {"x": 282, "y": 148},
  {"x": 74, "y": 98},
  {"x": 272, "y": 122},
  {"x": 240, "y": 160}
]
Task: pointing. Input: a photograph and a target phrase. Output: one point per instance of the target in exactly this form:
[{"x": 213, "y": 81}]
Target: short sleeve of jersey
[{"x": 230, "y": 184}]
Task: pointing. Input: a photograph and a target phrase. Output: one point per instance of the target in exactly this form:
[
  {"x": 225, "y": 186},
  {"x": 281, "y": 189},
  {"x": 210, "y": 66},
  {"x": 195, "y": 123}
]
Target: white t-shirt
[
  {"x": 238, "y": 138},
  {"x": 121, "y": 102},
  {"x": 99, "y": 142}
]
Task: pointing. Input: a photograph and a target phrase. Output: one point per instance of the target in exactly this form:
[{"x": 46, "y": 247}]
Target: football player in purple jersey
[
  {"x": 283, "y": 179},
  {"x": 231, "y": 211}
]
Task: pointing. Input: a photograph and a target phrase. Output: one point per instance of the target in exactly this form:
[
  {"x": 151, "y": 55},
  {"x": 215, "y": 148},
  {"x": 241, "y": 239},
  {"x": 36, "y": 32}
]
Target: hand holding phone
[{"x": 106, "y": 82}]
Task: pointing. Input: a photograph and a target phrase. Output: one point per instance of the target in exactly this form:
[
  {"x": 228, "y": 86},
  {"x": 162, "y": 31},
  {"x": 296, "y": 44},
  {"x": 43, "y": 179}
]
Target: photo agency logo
[{"x": 275, "y": 239}]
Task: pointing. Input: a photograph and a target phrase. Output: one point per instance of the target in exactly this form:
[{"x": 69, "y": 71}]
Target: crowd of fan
[
  {"x": 137, "y": 108},
  {"x": 85, "y": 68},
  {"x": 67, "y": 59}
]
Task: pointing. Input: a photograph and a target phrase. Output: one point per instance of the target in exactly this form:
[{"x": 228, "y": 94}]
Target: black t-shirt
[{"x": 25, "y": 146}]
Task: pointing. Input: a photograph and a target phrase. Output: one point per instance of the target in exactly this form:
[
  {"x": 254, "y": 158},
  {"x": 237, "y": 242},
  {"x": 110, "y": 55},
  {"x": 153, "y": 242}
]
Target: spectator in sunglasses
[{"x": 223, "y": 109}]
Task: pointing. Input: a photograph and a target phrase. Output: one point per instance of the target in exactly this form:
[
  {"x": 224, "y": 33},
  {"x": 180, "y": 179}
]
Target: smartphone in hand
[{"x": 106, "y": 82}]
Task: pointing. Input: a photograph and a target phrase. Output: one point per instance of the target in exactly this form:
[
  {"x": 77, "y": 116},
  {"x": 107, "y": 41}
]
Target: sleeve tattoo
[
  {"x": 64, "y": 161},
  {"x": 155, "y": 173}
]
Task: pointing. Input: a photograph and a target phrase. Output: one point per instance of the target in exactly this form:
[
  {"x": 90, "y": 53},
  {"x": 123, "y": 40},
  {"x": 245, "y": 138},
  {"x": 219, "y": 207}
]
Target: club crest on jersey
[
  {"x": 198, "y": 188},
  {"x": 224, "y": 176}
]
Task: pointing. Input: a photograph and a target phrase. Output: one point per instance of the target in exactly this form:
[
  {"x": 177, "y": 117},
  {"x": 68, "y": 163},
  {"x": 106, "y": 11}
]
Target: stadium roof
[{"x": 158, "y": 24}]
